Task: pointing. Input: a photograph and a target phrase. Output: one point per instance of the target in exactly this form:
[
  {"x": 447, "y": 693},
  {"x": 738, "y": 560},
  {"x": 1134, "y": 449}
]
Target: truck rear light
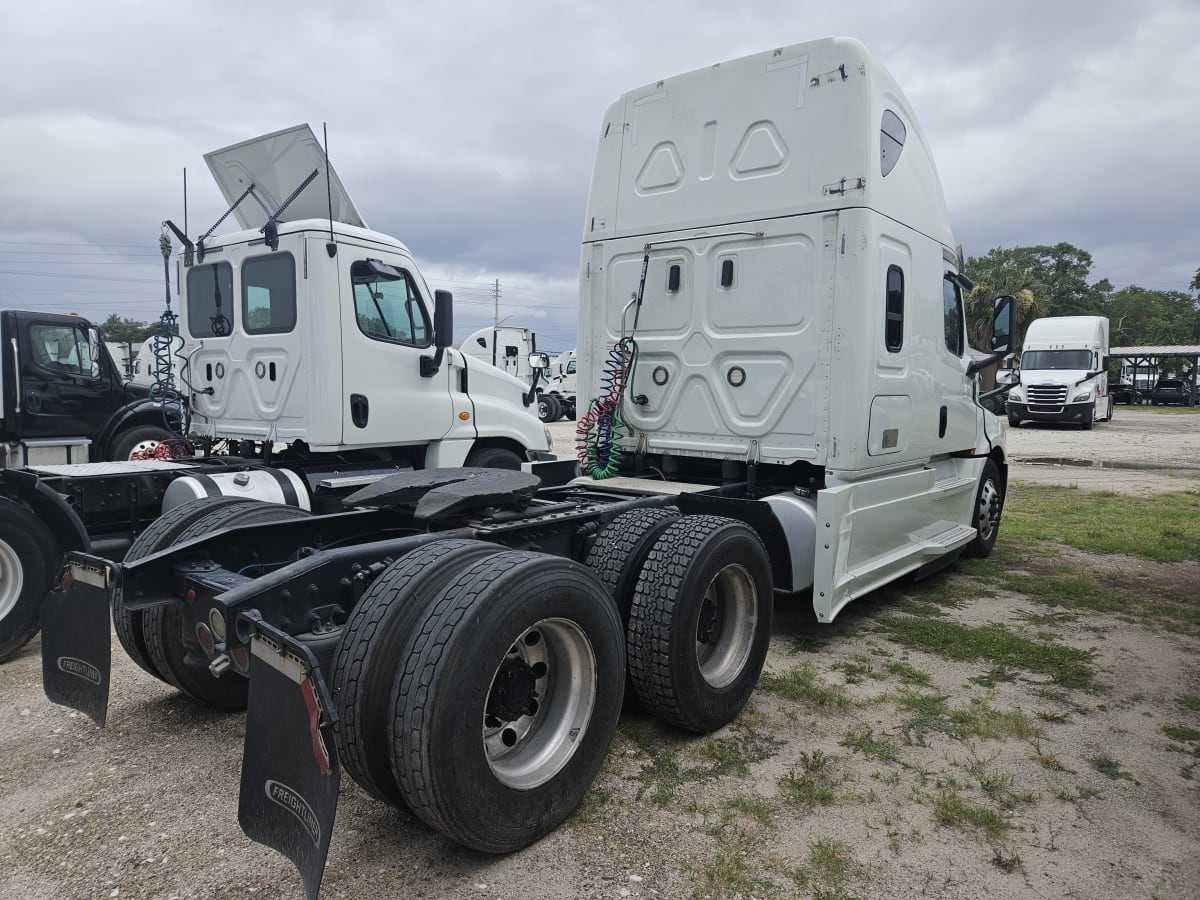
[
  {"x": 241, "y": 660},
  {"x": 205, "y": 636},
  {"x": 217, "y": 623}
]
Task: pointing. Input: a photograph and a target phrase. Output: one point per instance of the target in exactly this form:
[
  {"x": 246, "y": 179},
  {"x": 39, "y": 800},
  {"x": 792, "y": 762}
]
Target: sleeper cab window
[
  {"x": 891, "y": 141},
  {"x": 210, "y": 300},
  {"x": 387, "y": 305},
  {"x": 893, "y": 328},
  {"x": 952, "y": 312},
  {"x": 269, "y": 294}
]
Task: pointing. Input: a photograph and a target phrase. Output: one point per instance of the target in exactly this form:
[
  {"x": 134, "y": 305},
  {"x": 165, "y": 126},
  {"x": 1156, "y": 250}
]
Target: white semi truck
[
  {"x": 1063, "y": 373},
  {"x": 507, "y": 347},
  {"x": 303, "y": 331},
  {"x": 558, "y": 393},
  {"x": 771, "y": 327}
]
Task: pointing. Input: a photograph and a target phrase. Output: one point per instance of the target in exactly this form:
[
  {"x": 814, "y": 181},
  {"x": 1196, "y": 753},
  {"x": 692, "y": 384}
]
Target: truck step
[{"x": 948, "y": 536}]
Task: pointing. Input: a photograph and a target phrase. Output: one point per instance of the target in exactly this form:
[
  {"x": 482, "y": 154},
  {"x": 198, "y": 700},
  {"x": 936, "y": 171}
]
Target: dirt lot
[{"x": 1028, "y": 725}]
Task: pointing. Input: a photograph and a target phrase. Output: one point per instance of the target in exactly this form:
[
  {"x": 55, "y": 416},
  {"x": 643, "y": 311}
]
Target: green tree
[
  {"x": 124, "y": 331},
  {"x": 1058, "y": 277},
  {"x": 1140, "y": 317}
]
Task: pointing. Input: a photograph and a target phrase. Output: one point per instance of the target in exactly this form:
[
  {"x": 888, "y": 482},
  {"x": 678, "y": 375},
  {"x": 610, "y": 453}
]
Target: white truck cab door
[
  {"x": 957, "y": 413},
  {"x": 386, "y": 329}
]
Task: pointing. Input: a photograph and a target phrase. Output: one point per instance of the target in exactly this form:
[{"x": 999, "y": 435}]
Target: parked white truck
[
  {"x": 558, "y": 392},
  {"x": 1063, "y": 373},
  {"x": 507, "y": 347},
  {"x": 303, "y": 330},
  {"x": 771, "y": 322}
]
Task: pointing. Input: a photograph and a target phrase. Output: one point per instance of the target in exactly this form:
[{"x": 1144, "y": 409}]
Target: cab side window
[
  {"x": 210, "y": 300},
  {"x": 388, "y": 305},
  {"x": 952, "y": 313},
  {"x": 62, "y": 349},
  {"x": 269, "y": 294},
  {"x": 893, "y": 326}
]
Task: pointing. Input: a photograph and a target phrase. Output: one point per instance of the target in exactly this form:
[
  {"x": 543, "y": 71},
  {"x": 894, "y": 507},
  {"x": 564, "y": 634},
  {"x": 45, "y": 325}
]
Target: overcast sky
[{"x": 467, "y": 129}]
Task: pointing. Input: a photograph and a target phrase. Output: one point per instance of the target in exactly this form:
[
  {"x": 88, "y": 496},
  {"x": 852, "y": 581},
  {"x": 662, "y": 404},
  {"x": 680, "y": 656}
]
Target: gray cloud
[{"x": 468, "y": 130}]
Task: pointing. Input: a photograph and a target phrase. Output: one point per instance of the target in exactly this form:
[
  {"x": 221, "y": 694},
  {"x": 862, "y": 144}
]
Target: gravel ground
[{"x": 147, "y": 807}]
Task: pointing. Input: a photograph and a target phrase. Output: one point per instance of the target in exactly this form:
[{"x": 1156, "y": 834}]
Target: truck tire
[
  {"x": 1089, "y": 419},
  {"x": 1014, "y": 421},
  {"x": 700, "y": 622},
  {"x": 549, "y": 408},
  {"x": 29, "y": 562},
  {"x": 137, "y": 439},
  {"x": 989, "y": 504},
  {"x": 493, "y": 458},
  {"x": 371, "y": 648},
  {"x": 159, "y": 534},
  {"x": 622, "y": 547},
  {"x": 168, "y": 629},
  {"x": 508, "y": 700}
]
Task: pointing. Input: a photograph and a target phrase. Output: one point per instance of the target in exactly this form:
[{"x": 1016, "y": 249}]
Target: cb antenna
[{"x": 331, "y": 247}]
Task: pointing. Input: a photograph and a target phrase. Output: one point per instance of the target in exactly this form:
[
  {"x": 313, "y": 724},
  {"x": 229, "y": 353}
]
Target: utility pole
[{"x": 496, "y": 297}]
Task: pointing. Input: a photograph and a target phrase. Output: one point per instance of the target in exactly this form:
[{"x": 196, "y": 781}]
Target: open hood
[{"x": 276, "y": 164}]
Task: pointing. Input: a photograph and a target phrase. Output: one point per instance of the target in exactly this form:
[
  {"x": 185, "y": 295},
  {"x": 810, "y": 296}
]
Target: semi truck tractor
[
  {"x": 773, "y": 340},
  {"x": 559, "y": 391},
  {"x": 1063, "y": 373},
  {"x": 312, "y": 356}
]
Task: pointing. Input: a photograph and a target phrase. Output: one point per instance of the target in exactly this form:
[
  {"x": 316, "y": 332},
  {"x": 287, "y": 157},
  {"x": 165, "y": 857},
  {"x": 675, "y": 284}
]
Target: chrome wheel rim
[
  {"x": 539, "y": 703},
  {"x": 12, "y": 579},
  {"x": 989, "y": 509},
  {"x": 726, "y": 625},
  {"x": 143, "y": 447}
]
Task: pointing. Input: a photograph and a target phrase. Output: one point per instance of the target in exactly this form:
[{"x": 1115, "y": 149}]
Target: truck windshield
[{"x": 1056, "y": 359}]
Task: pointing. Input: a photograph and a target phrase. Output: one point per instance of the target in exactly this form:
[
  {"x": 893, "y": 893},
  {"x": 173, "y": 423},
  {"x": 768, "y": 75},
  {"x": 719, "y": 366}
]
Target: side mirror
[
  {"x": 443, "y": 319},
  {"x": 1002, "y": 324},
  {"x": 539, "y": 360},
  {"x": 1002, "y": 329},
  {"x": 443, "y": 332}
]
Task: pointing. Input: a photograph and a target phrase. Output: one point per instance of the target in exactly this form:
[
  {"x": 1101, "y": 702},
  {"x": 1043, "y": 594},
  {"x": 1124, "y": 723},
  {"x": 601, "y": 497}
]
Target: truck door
[
  {"x": 386, "y": 330},
  {"x": 957, "y": 413},
  {"x": 65, "y": 388}
]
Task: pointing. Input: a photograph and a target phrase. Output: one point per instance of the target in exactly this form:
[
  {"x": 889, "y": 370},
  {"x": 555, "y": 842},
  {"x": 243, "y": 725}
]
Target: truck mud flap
[
  {"x": 290, "y": 767},
  {"x": 76, "y": 636}
]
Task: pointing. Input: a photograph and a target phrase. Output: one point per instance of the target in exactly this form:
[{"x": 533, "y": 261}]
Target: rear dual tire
[
  {"x": 29, "y": 562},
  {"x": 700, "y": 622},
  {"x": 507, "y": 700},
  {"x": 168, "y": 630}
]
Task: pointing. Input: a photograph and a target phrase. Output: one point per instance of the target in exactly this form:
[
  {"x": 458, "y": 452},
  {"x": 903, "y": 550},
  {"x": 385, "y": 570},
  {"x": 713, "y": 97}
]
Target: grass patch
[
  {"x": 1110, "y": 768},
  {"x": 802, "y": 685},
  {"x": 1190, "y": 702},
  {"x": 863, "y": 739},
  {"x": 1066, "y": 666},
  {"x": 725, "y": 756},
  {"x": 1181, "y": 733},
  {"x": 979, "y": 719},
  {"x": 951, "y": 809},
  {"x": 909, "y": 674},
  {"x": 735, "y": 871},
  {"x": 810, "y": 784},
  {"x": 1165, "y": 527},
  {"x": 830, "y": 866},
  {"x": 858, "y": 669},
  {"x": 755, "y": 808}
]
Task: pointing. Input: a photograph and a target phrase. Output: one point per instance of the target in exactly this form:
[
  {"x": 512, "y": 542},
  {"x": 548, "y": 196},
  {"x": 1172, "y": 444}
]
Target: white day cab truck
[
  {"x": 320, "y": 338},
  {"x": 1063, "y": 373},
  {"x": 558, "y": 394},
  {"x": 771, "y": 327},
  {"x": 513, "y": 349}
]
